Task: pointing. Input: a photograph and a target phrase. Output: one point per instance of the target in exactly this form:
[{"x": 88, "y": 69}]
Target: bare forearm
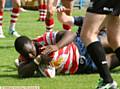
[
  {"x": 67, "y": 38},
  {"x": 65, "y": 19}
]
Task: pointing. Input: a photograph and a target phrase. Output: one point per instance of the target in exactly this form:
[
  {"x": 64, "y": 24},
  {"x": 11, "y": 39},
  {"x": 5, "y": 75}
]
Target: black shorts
[{"x": 108, "y": 7}]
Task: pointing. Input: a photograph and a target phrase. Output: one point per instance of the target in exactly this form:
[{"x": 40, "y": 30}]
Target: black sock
[
  {"x": 117, "y": 51},
  {"x": 97, "y": 53}
]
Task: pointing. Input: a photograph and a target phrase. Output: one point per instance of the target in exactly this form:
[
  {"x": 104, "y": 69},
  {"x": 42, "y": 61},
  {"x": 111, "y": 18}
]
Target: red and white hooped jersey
[
  {"x": 47, "y": 38},
  {"x": 65, "y": 60}
]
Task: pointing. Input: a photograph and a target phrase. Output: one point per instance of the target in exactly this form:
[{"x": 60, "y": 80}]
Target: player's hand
[
  {"x": 49, "y": 49},
  {"x": 61, "y": 9}
]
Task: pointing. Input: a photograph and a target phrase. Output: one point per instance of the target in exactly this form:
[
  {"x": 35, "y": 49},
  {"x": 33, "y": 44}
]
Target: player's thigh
[{"x": 91, "y": 26}]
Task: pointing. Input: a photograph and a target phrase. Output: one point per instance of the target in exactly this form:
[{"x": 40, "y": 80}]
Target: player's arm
[
  {"x": 63, "y": 38},
  {"x": 28, "y": 69},
  {"x": 66, "y": 19}
]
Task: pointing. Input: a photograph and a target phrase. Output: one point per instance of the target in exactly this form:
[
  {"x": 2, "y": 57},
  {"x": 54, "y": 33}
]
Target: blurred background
[{"x": 32, "y": 4}]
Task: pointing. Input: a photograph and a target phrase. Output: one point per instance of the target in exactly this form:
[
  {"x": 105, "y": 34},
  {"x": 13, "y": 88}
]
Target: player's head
[{"x": 25, "y": 46}]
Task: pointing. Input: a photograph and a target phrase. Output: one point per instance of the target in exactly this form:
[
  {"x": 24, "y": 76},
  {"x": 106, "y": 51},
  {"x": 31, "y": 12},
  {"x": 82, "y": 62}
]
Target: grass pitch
[{"x": 27, "y": 25}]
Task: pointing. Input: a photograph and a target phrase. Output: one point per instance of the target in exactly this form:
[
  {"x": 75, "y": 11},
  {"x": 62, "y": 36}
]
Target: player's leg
[
  {"x": 114, "y": 34},
  {"x": 67, "y": 4},
  {"x": 14, "y": 16},
  {"x": 89, "y": 35},
  {"x": 112, "y": 60},
  {"x": 2, "y": 4},
  {"x": 68, "y": 20},
  {"x": 94, "y": 18},
  {"x": 49, "y": 18},
  {"x": 42, "y": 8}
]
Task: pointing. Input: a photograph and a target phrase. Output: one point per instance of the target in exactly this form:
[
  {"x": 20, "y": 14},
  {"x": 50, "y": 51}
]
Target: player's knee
[
  {"x": 85, "y": 38},
  {"x": 1, "y": 8},
  {"x": 49, "y": 13},
  {"x": 17, "y": 5}
]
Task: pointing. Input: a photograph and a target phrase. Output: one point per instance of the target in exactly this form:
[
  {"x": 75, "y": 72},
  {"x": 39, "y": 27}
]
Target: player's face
[{"x": 30, "y": 50}]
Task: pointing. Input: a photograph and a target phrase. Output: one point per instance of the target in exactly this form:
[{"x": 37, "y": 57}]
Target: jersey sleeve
[
  {"x": 50, "y": 38},
  {"x": 47, "y": 38}
]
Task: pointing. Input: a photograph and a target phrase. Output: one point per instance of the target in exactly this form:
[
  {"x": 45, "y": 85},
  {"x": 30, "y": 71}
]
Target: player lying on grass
[
  {"x": 56, "y": 53},
  {"x": 42, "y": 40}
]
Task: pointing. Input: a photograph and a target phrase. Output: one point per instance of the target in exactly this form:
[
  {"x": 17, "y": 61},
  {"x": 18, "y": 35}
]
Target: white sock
[
  {"x": 12, "y": 26},
  {"x": 1, "y": 31}
]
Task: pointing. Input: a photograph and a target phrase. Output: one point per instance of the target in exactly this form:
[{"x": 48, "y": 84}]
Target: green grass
[{"x": 27, "y": 25}]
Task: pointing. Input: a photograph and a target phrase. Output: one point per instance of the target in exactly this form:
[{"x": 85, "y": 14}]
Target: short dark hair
[{"x": 20, "y": 42}]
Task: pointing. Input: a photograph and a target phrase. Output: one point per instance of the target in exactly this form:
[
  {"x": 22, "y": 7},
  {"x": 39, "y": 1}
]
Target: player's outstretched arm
[{"x": 63, "y": 38}]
